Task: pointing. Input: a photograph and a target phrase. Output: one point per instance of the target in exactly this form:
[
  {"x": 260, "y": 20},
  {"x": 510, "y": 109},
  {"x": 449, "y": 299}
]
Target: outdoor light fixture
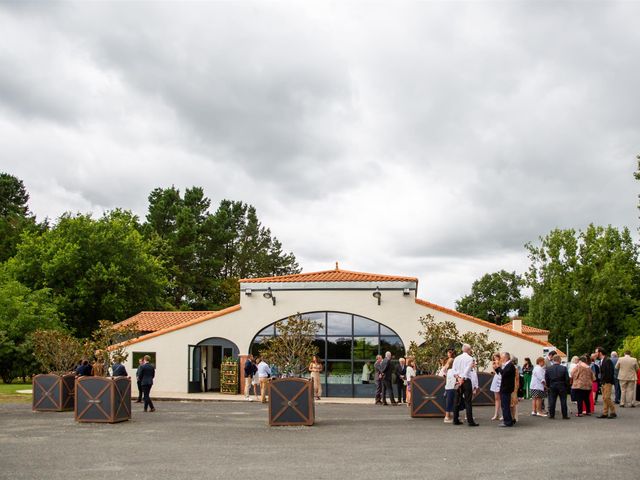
[
  {"x": 406, "y": 292},
  {"x": 377, "y": 294},
  {"x": 269, "y": 294},
  {"x": 247, "y": 292}
]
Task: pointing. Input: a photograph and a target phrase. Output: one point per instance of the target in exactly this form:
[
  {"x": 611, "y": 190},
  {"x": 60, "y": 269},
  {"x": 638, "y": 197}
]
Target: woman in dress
[
  {"x": 411, "y": 372},
  {"x": 495, "y": 386},
  {"x": 315, "y": 367},
  {"x": 527, "y": 370},
  {"x": 366, "y": 373},
  {"x": 538, "y": 387}
]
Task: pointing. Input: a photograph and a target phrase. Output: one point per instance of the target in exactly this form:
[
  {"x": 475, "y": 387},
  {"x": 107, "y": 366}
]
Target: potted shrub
[
  {"x": 57, "y": 352},
  {"x": 291, "y": 399}
]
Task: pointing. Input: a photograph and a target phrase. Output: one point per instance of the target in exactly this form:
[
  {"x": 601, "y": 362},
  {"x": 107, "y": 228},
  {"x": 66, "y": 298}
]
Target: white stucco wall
[{"x": 397, "y": 311}]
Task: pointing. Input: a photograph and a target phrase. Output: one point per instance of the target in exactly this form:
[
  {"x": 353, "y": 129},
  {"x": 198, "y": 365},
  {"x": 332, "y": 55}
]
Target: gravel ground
[{"x": 232, "y": 440}]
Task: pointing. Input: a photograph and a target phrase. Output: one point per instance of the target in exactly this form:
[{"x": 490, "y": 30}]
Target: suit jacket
[
  {"x": 119, "y": 370},
  {"x": 378, "y": 368},
  {"x": 401, "y": 371},
  {"x": 557, "y": 376},
  {"x": 627, "y": 367},
  {"x": 386, "y": 368},
  {"x": 606, "y": 371},
  {"x": 84, "y": 370},
  {"x": 508, "y": 380},
  {"x": 146, "y": 372}
]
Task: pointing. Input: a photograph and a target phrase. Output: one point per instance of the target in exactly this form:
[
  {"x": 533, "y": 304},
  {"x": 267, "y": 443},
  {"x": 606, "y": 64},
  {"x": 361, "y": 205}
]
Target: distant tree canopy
[
  {"x": 15, "y": 217},
  {"x": 494, "y": 296},
  {"x": 586, "y": 286}
]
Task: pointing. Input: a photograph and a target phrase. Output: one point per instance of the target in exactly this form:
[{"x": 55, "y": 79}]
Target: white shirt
[
  {"x": 537, "y": 378},
  {"x": 410, "y": 374},
  {"x": 473, "y": 375},
  {"x": 451, "y": 380},
  {"x": 263, "y": 370},
  {"x": 462, "y": 365}
]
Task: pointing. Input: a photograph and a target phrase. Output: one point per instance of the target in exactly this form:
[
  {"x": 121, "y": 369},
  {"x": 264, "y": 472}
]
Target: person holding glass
[{"x": 315, "y": 367}]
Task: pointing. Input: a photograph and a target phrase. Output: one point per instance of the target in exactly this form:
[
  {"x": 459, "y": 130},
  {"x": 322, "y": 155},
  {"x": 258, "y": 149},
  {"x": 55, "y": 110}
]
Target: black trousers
[
  {"x": 582, "y": 397},
  {"x": 386, "y": 387},
  {"x": 505, "y": 404},
  {"x": 554, "y": 394},
  {"x": 463, "y": 394},
  {"x": 139, "y": 391},
  {"x": 146, "y": 390},
  {"x": 402, "y": 392}
]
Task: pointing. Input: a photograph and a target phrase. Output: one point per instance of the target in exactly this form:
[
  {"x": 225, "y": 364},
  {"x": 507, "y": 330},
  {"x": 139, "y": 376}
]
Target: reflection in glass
[
  {"x": 393, "y": 345},
  {"x": 339, "y": 347},
  {"x": 270, "y": 330},
  {"x": 320, "y": 343},
  {"x": 386, "y": 330},
  {"x": 361, "y": 374},
  {"x": 259, "y": 344},
  {"x": 339, "y": 373},
  {"x": 319, "y": 317},
  {"x": 338, "y": 324},
  {"x": 365, "y": 348},
  {"x": 364, "y": 326}
]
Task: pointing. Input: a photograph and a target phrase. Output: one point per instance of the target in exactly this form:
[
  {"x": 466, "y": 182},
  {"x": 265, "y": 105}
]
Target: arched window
[{"x": 346, "y": 343}]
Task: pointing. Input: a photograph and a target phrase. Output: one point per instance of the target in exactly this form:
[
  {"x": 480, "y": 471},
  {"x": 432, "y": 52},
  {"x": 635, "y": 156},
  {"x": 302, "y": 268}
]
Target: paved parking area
[{"x": 229, "y": 440}]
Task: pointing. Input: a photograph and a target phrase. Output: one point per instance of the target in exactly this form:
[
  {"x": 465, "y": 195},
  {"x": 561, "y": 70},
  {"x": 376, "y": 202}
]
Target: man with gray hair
[
  {"x": 507, "y": 386},
  {"x": 377, "y": 367},
  {"x": 387, "y": 372},
  {"x": 462, "y": 371}
]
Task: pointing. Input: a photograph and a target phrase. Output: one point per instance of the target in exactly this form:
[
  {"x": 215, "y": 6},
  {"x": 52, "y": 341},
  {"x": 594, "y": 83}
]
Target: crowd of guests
[{"x": 616, "y": 379}]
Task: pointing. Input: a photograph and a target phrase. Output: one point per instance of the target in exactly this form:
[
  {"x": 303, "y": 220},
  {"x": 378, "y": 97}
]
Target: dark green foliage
[
  {"x": 494, "y": 296},
  {"x": 15, "y": 217},
  {"x": 586, "y": 286}
]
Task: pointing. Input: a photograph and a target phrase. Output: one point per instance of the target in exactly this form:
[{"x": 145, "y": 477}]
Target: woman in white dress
[
  {"x": 495, "y": 386},
  {"x": 538, "y": 387},
  {"x": 411, "y": 372}
]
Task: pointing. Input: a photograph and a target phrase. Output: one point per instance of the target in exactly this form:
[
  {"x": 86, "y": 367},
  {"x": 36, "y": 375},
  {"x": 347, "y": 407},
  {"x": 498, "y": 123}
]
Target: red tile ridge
[{"x": 335, "y": 275}]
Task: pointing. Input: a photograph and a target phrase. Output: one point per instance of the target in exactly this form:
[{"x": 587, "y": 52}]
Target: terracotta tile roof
[
  {"x": 336, "y": 275},
  {"x": 204, "y": 316},
  {"x": 484, "y": 323},
  {"x": 154, "y": 321},
  {"x": 528, "y": 329}
]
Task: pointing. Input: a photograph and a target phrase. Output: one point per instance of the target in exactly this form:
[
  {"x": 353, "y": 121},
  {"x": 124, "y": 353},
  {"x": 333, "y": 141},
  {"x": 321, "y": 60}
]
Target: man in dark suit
[
  {"x": 387, "y": 372},
  {"x": 607, "y": 380},
  {"x": 118, "y": 369},
  {"x": 557, "y": 381},
  {"x": 378, "y": 379},
  {"x": 84, "y": 369},
  {"x": 507, "y": 386},
  {"x": 146, "y": 372},
  {"x": 401, "y": 373}
]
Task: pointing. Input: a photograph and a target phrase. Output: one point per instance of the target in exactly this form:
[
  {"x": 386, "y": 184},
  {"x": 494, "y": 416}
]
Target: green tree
[
  {"x": 482, "y": 347},
  {"x": 57, "y": 351},
  {"x": 494, "y": 296},
  {"x": 632, "y": 344},
  {"x": 292, "y": 350},
  {"x": 94, "y": 269},
  {"x": 586, "y": 286},
  {"x": 14, "y": 214},
  {"x": 437, "y": 338}
]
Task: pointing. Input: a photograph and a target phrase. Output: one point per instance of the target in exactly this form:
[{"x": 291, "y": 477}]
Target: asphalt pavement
[{"x": 229, "y": 440}]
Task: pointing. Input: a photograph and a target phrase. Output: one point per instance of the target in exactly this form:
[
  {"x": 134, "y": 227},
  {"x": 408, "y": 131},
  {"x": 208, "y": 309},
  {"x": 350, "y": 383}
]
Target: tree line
[
  {"x": 71, "y": 273},
  {"x": 583, "y": 285}
]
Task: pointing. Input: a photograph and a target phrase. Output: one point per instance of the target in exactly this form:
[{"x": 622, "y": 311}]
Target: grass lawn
[{"x": 8, "y": 393}]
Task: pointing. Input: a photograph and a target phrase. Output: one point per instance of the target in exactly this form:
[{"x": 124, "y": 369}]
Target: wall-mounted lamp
[
  {"x": 247, "y": 292},
  {"x": 406, "y": 292},
  {"x": 269, "y": 294},
  {"x": 378, "y": 294}
]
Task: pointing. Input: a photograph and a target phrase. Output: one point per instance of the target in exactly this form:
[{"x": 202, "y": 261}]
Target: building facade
[{"x": 360, "y": 314}]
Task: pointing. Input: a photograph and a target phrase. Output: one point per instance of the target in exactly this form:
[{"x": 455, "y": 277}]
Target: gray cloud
[{"x": 430, "y": 139}]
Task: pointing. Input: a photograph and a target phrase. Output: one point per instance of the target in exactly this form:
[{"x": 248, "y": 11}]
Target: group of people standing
[
  {"x": 385, "y": 372},
  {"x": 257, "y": 374}
]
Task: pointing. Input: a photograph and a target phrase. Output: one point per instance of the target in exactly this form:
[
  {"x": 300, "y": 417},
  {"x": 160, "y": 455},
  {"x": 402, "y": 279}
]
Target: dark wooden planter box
[
  {"x": 53, "y": 393},
  {"x": 291, "y": 402},
  {"x": 103, "y": 399},
  {"x": 427, "y": 396},
  {"x": 485, "y": 396}
]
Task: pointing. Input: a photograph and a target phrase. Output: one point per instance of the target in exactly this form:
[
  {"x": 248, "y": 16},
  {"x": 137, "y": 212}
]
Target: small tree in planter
[
  {"x": 291, "y": 398},
  {"x": 57, "y": 352},
  {"x": 107, "y": 343},
  {"x": 438, "y": 338}
]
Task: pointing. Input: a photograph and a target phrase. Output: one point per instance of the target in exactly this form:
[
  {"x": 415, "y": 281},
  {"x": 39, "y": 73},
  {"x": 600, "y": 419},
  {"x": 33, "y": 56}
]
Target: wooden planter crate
[
  {"x": 427, "y": 396},
  {"x": 291, "y": 402},
  {"x": 485, "y": 396},
  {"x": 103, "y": 399},
  {"x": 229, "y": 378},
  {"x": 53, "y": 393}
]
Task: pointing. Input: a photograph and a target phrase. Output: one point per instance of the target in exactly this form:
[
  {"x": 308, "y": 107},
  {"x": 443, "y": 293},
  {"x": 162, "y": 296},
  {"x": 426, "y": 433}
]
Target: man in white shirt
[
  {"x": 462, "y": 371},
  {"x": 264, "y": 372}
]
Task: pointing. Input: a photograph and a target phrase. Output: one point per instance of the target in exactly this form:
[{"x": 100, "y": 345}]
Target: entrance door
[
  {"x": 216, "y": 363},
  {"x": 205, "y": 362}
]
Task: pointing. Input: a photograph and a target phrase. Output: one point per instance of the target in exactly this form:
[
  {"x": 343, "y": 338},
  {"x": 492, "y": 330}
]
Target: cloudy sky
[{"x": 431, "y": 139}]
